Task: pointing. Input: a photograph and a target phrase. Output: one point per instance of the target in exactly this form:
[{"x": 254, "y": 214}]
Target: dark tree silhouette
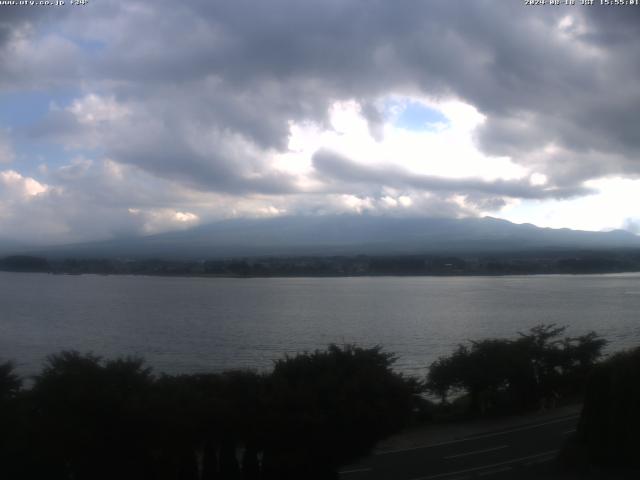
[
  {"x": 328, "y": 407},
  {"x": 10, "y": 383},
  {"x": 89, "y": 418},
  {"x": 532, "y": 371},
  {"x": 12, "y": 439},
  {"x": 610, "y": 422}
]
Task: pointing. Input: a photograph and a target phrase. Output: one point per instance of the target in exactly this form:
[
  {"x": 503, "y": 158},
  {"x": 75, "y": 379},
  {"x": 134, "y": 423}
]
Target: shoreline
[{"x": 365, "y": 275}]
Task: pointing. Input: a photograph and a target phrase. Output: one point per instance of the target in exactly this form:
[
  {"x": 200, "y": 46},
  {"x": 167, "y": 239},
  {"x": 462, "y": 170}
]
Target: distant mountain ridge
[{"x": 346, "y": 235}]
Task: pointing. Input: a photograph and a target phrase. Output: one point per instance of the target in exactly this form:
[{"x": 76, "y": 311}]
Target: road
[{"x": 478, "y": 456}]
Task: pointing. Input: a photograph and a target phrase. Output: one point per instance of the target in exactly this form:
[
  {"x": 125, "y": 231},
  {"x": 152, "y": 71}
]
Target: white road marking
[
  {"x": 490, "y": 466},
  {"x": 569, "y": 432},
  {"x": 486, "y": 435},
  {"x": 475, "y": 452}
]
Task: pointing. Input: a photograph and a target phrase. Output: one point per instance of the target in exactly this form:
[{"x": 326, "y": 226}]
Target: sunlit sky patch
[
  {"x": 615, "y": 202},
  {"x": 416, "y": 116}
]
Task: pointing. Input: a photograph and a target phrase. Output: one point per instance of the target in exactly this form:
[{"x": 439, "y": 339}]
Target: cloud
[
  {"x": 632, "y": 225},
  {"x": 250, "y": 68},
  {"x": 30, "y": 59},
  {"x": 161, "y": 220},
  {"x": 608, "y": 209},
  {"x": 206, "y": 102},
  {"x": 90, "y": 199},
  {"x": 19, "y": 196},
  {"x": 13, "y": 19},
  {"x": 331, "y": 165},
  {"x": 15, "y": 184},
  {"x": 182, "y": 146},
  {"x": 100, "y": 199}
]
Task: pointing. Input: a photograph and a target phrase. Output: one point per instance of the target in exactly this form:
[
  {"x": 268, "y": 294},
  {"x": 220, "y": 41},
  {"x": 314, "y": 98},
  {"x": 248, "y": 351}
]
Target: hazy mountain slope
[
  {"x": 348, "y": 235},
  {"x": 8, "y": 246}
]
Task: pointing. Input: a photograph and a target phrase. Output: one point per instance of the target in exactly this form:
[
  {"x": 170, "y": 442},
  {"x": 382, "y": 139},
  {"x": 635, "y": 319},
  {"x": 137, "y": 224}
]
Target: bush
[{"x": 90, "y": 419}]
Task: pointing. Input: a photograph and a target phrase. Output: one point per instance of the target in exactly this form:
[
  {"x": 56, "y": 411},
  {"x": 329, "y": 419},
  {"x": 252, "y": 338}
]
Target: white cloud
[
  {"x": 538, "y": 179},
  {"x": 610, "y": 208},
  {"x": 357, "y": 204},
  {"x": 94, "y": 109},
  {"x": 447, "y": 152},
  {"x": 19, "y": 186},
  {"x": 405, "y": 201},
  {"x": 164, "y": 219}
]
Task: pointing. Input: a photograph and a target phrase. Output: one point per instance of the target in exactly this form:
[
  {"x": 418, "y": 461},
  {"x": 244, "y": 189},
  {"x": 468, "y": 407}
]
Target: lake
[{"x": 198, "y": 324}]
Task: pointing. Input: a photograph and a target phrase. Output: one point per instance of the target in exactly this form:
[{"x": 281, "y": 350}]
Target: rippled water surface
[{"x": 197, "y": 324}]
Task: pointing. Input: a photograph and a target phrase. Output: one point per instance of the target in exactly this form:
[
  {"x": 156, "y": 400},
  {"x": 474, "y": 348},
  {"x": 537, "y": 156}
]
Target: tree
[
  {"x": 525, "y": 373},
  {"x": 10, "y": 382},
  {"x": 89, "y": 417},
  {"x": 610, "y": 420},
  {"x": 328, "y": 407},
  {"x": 12, "y": 439}
]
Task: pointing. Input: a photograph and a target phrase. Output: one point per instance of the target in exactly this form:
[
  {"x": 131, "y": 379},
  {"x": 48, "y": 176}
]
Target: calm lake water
[{"x": 199, "y": 324}]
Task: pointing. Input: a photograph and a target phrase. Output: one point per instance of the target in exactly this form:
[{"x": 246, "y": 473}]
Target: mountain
[
  {"x": 347, "y": 235},
  {"x": 8, "y": 246}
]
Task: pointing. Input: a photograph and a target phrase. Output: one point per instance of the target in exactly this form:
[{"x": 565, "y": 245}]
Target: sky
[{"x": 134, "y": 118}]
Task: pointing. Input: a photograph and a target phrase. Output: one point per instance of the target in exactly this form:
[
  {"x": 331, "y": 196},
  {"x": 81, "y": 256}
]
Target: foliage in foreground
[
  {"x": 530, "y": 372},
  {"x": 86, "y": 418},
  {"x": 89, "y": 418},
  {"x": 608, "y": 433}
]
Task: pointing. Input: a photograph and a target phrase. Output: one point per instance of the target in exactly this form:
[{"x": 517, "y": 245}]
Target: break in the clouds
[{"x": 121, "y": 118}]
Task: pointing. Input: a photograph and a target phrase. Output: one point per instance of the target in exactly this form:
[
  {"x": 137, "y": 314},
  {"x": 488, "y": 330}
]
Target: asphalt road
[{"x": 479, "y": 456}]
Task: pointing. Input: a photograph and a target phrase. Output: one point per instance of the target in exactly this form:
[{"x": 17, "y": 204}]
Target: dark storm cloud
[
  {"x": 617, "y": 27},
  {"x": 33, "y": 56},
  {"x": 333, "y": 166},
  {"x": 13, "y": 18},
  {"x": 178, "y": 149},
  {"x": 237, "y": 73},
  {"x": 507, "y": 60},
  {"x": 204, "y": 171}
]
